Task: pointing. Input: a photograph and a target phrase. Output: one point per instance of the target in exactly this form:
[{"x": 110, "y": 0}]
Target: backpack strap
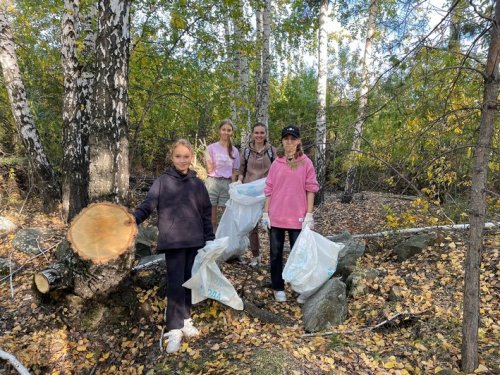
[
  {"x": 246, "y": 156},
  {"x": 270, "y": 153}
]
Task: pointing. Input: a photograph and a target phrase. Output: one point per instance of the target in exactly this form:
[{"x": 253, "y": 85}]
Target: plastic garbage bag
[
  {"x": 207, "y": 280},
  {"x": 242, "y": 213},
  {"x": 312, "y": 261}
]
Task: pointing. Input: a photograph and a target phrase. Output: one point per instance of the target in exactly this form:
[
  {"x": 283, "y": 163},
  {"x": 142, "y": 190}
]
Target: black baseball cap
[{"x": 290, "y": 130}]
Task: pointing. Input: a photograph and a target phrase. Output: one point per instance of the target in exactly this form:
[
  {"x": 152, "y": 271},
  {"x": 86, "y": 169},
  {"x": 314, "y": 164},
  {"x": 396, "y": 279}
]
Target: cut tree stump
[{"x": 98, "y": 254}]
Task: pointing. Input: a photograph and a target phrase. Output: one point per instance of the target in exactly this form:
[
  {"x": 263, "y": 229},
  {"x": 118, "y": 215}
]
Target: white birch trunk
[
  {"x": 22, "y": 113},
  {"x": 320, "y": 159},
  {"x": 471, "y": 303},
  {"x": 363, "y": 105},
  {"x": 75, "y": 134},
  {"x": 232, "y": 59},
  {"x": 262, "y": 102},
  {"x": 242, "y": 67},
  {"x": 109, "y": 173}
]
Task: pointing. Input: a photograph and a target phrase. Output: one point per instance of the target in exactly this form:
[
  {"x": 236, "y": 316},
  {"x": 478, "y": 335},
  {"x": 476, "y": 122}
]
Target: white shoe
[
  {"x": 301, "y": 299},
  {"x": 189, "y": 330},
  {"x": 280, "y": 295},
  {"x": 174, "y": 338},
  {"x": 255, "y": 262}
]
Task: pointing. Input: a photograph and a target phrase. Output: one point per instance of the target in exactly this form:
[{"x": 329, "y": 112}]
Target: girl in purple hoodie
[{"x": 290, "y": 188}]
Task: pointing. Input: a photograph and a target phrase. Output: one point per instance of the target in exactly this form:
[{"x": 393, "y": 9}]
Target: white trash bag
[
  {"x": 312, "y": 261},
  {"x": 242, "y": 213},
  {"x": 207, "y": 280}
]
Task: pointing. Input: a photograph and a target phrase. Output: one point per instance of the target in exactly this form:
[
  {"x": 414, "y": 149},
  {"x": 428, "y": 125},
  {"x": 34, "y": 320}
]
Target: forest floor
[{"x": 122, "y": 337}]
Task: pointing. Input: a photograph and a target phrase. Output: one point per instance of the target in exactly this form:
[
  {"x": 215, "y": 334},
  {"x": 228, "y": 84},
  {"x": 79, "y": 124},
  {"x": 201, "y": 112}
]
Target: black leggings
[
  {"x": 277, "y": 239},
  {"x": 179, "y": 265}
]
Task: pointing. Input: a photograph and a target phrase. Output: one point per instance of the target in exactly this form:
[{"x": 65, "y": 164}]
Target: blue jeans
[{"x": 277, "y": 239}]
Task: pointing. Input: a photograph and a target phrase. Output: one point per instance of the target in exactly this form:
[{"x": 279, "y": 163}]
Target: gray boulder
[
  {"x": 325, "y": 308},
  {"x": 358, "y": 281},
  {"x": 414, "y": 245},
  {"x": 348, "y": 256},
  {"x": 30, "y": 240},
  {"x": 6, "y": 226},
  {"x": 146, "y": 236}
]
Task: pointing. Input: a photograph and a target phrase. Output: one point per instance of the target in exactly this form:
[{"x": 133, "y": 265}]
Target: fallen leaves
[{"x": 39, "y": 337}]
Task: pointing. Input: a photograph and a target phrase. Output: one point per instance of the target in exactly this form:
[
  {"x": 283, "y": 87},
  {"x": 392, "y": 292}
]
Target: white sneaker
[
  {"x": 280, "y": 295},
  {"x": 301, "y": 299},
  {"x": 189, "y": 330},
  {"x": 174, "y": 338},
  {"x": 255, "y": 262}
]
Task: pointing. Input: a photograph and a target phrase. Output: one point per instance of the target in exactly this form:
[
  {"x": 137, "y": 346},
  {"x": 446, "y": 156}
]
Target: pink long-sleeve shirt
[{"x": 287, "y": 189}]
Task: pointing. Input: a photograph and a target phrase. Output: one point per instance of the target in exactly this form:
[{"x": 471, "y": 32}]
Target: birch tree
[
  {"x": 482, "y": 154},
  {"x": 262, "y": 94},
  {"x": 321, "y": 99},
  {"x": 352, "y": 163},
  {"x": 22, "y": 114},
  {"x": 108, "y": 168}
]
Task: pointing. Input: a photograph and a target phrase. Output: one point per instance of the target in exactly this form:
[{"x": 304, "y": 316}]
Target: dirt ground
[{"x": 121, "y": 335}]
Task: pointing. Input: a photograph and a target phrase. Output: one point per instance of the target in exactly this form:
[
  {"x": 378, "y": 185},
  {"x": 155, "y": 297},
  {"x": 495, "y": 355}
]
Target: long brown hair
[
  {"x": 298, "y": 153},
  {"x": 227, "y": 121}
]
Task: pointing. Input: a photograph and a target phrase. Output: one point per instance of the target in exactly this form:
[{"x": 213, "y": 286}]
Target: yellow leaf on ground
[
  {"x": 481, "y": 368},
  {"x": 81, "y": 348}
]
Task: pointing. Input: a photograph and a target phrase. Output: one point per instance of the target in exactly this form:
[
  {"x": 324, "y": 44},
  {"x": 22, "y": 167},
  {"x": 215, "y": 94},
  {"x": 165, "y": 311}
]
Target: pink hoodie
[{"x": 287, "y": 190}]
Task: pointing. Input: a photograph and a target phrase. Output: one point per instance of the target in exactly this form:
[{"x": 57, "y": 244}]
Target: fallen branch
[
  {"x": 14, "y": 362},
  {"x": 25, "y": 263},
  {"x": 265, "y": 316},
  {"x": 149, "y": 261},
  {"x": 365, "y": 329},
  {"x": 489, "y": 225}
]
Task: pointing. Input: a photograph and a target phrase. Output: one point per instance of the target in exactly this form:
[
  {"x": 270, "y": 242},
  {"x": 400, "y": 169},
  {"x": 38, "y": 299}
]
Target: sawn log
[{"x": 98, "y": 253}]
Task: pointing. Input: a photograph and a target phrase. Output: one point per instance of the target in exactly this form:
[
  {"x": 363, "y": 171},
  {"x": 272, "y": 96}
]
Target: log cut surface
[{"x": 102, "y": 232}]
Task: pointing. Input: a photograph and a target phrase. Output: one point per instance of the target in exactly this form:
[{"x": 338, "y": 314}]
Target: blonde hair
[
  {"x": 227, "y": 121},
  {"x": 180, "y": 142}
]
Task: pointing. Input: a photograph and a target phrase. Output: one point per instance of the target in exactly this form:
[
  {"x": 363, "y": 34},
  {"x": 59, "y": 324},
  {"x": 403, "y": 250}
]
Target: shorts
[{"x": 218, "y": 190}]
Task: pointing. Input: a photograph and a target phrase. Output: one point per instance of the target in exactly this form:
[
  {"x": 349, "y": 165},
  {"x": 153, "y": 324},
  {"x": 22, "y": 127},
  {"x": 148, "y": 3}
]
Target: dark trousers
[
  {"x": 277, "y": 239},
  {"x": 179, "y": 265},
  {"x": 254, "y": 241}
]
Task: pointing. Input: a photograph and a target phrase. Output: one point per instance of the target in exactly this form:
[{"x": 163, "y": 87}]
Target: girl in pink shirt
[
  {"x": 290, "y": 188},
  {"x": 223, "y": 162}
]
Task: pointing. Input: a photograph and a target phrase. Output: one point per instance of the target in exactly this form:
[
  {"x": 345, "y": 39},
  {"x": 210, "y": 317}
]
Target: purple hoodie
[{"x": 287, "y": 189}]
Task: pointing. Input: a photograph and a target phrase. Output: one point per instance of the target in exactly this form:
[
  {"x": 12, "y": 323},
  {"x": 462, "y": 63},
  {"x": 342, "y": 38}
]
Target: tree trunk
[
  {"x": 262, "y": 100},
  {"x": 108, "y": 168},
  {"x": 321, "y": 159},
  {"x": 98, "y": 255},
  {"x": 482, "y": 154},
  {"x": 23, "y": 117},
  {"x": 243, "y": 106},
  {"x": 75, "y": 117},
  {"x": 352, "y": 162}
]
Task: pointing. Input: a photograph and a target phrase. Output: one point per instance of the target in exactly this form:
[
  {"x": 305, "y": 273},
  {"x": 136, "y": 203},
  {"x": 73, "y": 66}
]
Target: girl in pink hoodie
[{"x": 290, "y": 188}]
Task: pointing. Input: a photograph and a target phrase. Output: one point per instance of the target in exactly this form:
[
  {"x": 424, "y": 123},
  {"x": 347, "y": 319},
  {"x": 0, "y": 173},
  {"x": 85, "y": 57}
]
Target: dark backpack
[{"x": 246, "y": 156}]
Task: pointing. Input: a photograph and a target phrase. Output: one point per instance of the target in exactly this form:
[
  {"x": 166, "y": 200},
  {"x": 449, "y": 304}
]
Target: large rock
[
  {"x": 6, "y": 226},
  {"x": 325, "y": 308},
  {"x": 144, "y": 241},
  {"x": 358, "y": 281},
  {"x": 349, "y": 255},
  {"x": 414, "y": 245},
  {"x": 29, "y": 240}
]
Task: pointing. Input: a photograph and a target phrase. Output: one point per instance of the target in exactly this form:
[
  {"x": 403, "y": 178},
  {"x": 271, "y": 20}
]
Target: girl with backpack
[
  {"x": 184, "y": 227},
  {"x": 290, "y": 188},
  {"x": 256, "y": 160},
  {"x": 223, "y": 161}
]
